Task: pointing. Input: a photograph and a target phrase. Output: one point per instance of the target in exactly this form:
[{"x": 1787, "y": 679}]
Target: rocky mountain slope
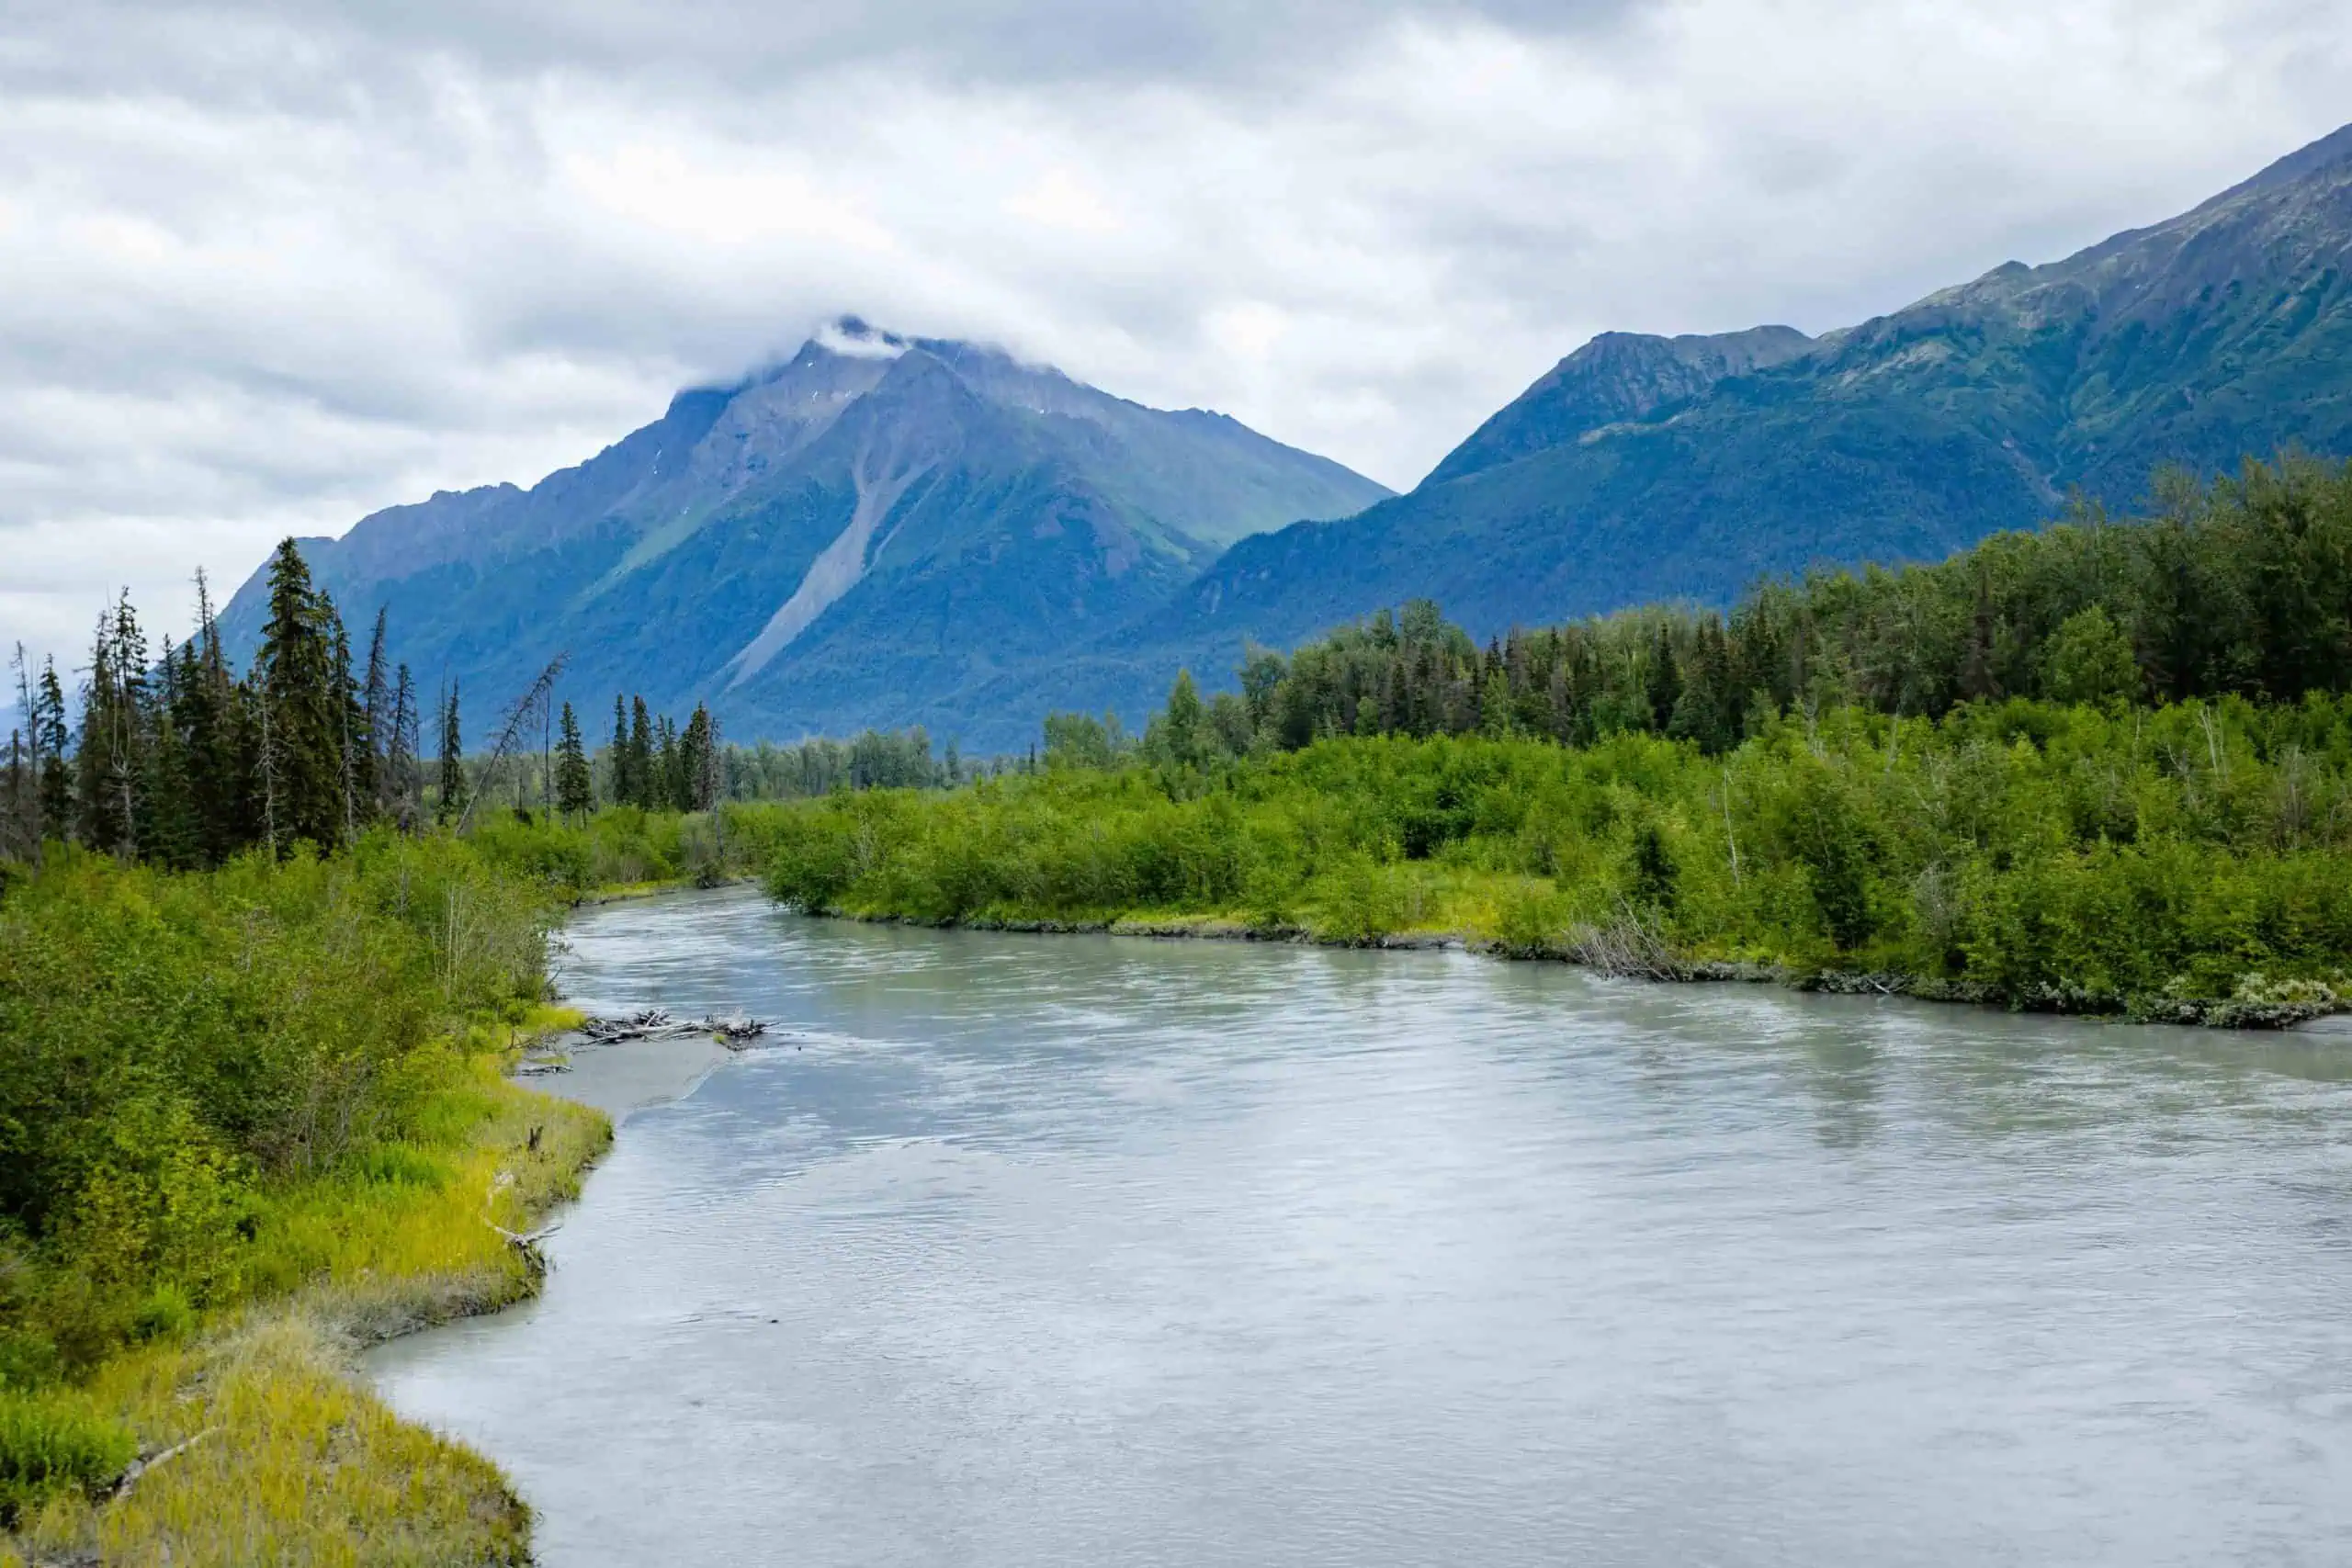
[{"x": 844, "y": 540}]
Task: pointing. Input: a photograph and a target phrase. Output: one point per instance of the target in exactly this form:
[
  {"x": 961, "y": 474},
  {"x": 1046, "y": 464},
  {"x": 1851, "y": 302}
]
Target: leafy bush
[
  {"x": 175, "y": 1048},
  {"x": 2047, "y": 854},
  {"x": 49, "y": 1444}
]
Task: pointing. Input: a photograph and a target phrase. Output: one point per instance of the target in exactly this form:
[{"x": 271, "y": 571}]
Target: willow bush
[{"x": 2040, "y": 854}]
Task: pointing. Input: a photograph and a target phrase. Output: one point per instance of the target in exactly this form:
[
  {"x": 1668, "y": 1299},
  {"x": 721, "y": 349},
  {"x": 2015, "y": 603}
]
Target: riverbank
[
  {"x": 1633, "y": 955},
  {"x": 277, "y": 1449},
  {"x": 255, "y": 1121}
]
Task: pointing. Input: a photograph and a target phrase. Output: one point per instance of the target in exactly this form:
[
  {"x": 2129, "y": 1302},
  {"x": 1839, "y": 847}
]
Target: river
[{"x": 1088, "y": 1250}]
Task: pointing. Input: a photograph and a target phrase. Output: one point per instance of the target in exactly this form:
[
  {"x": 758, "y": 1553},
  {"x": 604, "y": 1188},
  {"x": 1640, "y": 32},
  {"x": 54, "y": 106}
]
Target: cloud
[{"x": 273, "y": 265}]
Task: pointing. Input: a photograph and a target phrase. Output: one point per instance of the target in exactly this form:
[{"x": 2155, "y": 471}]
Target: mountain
[
  {"x": 844, "y": 540},
  {"x": 1646, "y": 467}
]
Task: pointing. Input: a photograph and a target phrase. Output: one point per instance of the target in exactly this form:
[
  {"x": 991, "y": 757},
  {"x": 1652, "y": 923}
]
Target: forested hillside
[{"x": 1648, "y": 469}]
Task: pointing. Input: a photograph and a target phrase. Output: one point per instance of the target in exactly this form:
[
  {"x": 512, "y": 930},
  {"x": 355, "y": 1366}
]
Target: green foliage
[
  {"x": 575, "y": 791},
  {"x": 2021, "y": 851},
  {"x": 50, "y": 1443},
  {"x": 2090, "y": 660},
  {"x": 175, "y": 1048},
  {"x": 1081, "y": 740}
]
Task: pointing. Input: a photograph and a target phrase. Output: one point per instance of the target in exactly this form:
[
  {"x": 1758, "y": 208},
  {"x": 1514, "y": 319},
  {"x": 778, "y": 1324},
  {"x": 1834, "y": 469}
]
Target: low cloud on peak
[{"x": 273, "y": 265}]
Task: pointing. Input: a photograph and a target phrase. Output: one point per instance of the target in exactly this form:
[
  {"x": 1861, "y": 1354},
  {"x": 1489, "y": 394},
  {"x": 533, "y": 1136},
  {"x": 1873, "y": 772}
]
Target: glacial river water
[{"x": 1082, "y": 1250}]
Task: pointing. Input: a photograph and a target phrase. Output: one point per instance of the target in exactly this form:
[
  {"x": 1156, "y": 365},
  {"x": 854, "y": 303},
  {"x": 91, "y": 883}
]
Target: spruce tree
[
  {"x": 698, "y": 761},
  {"x": 353, "y": 782},
  {"x": 107, "y": 761},
  {"x": 617, "y": 755},
  {"x": 48, "y": 737},
  {"x": 376, "y": 700},
  {"x": 170, "y": 832},
  {"x": 304, "y": 693},
  {"x": 575, "y": 783},
  {"x": 403, "y": 777},
  {"x": 669, "y": 773},
  {"x": 453, "y": 760},
  {"x": 214, "y": 715},
  {"x": 640, "y": 756}
]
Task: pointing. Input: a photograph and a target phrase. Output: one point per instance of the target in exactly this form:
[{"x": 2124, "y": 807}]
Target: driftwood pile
[{"x": 653, "y": 1024}]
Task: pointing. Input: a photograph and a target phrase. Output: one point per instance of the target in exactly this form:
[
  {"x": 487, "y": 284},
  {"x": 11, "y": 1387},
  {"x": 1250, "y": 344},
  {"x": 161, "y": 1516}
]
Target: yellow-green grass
[{"x": 294, "y": 1458}]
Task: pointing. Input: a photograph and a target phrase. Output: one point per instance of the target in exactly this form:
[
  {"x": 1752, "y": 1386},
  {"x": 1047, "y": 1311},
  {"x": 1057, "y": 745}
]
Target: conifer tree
[
  {"x": 213, "y": 714},
  {"x": 107, "y": 762},
  {"x": 303, "y": 687},
  {"x": 453, "y": 760},
  {"x": 669, "y": 771},
  {"x": 403, "y": 776},
  {"x": 48, "y": 736},
  {"x": 575, "y": 785},
  {"x": 351, "y": 781},
  {"x": 617, "y": 755},
  {"x": 170, "y": 832},
  {"x": 698, "y": 762},
  {"x": 641, "y": 757}
]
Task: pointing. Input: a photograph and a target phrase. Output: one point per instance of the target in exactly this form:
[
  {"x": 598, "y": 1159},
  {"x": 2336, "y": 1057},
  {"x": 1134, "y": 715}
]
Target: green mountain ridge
[{"x": 1651, "y": 468}]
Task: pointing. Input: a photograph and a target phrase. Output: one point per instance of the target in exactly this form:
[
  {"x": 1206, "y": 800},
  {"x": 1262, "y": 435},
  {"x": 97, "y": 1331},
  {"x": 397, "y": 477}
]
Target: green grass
[{"x": 296, "y": 1460}]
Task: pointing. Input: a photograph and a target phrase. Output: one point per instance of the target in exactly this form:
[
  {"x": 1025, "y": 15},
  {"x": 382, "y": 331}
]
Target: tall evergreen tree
[
  {"x": 351, "y": 774},
  {"x": 669, "y": 775},
  {"x": 114, "y": 722},
  {"x": 617, "y": 755},
  {"x": 48, "y": 736},
  {"x": 453, "y": 758},
  {"x": 216, "y": 718},
  {"x": 303, "y": 687},
  {"x": 376, "y": 702},
  {"x": 171, "y": 833},
  {"x": 698, "y": 761},
  {"x": 641, "y": 789},
  {"x": 575, "y": 782}
]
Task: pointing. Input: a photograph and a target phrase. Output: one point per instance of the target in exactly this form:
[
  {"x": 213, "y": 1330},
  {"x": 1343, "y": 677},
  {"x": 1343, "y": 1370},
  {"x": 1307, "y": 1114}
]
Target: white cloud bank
[{"x": 265, "y": 270}]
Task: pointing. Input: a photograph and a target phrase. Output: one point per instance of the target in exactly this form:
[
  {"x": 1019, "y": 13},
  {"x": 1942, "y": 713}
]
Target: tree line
[
  {"x": 2240, "y": 588},
  {"x": 172, "y": 758},
  {"x": 177, "y": 760}
]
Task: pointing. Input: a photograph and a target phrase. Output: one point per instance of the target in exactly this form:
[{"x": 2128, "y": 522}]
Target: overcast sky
[{"x": 265, "y": 268}]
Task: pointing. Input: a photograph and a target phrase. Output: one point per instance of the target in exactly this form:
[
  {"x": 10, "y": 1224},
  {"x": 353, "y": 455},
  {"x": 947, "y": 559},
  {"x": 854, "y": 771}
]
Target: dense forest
[
  {"x": 173, "y": 759},
  {"x": 2240, "y": 588}
]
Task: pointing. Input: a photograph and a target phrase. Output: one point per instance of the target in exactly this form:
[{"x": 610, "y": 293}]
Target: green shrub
[
  {"x": 49, "y": 1444},
  {"x": 2052, "y": 855}
]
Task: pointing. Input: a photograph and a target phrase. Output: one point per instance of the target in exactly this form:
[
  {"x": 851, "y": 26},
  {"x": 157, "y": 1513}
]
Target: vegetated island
[{"x": 2101, "y": 769}]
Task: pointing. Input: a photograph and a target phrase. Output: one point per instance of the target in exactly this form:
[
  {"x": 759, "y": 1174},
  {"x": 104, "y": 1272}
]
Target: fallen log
[{"x": 652, "y": 1023}]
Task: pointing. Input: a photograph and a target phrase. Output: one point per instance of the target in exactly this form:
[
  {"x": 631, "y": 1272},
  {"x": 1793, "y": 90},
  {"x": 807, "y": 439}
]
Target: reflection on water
[{"x": 1091, "y": 1251}]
